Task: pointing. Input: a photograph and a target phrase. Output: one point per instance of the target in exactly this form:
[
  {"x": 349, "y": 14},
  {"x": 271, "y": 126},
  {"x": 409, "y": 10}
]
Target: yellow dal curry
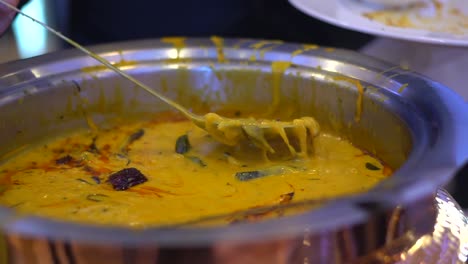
[{"x": 175, "y": 173}]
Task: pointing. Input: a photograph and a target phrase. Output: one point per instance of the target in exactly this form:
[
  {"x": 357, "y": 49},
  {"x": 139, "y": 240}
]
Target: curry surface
[{"x": 66, "y": 178}]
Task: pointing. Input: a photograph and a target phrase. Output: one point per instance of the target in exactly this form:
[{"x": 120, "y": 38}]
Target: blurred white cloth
[{"x": 447, "y": 65}]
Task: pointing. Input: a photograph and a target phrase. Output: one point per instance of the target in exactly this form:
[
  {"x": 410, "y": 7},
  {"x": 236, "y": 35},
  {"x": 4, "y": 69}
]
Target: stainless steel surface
[{"x": 419, "y": 129}]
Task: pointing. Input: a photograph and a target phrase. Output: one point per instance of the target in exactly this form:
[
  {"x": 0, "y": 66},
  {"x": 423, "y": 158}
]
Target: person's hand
[{"x": 6, "y": 15}]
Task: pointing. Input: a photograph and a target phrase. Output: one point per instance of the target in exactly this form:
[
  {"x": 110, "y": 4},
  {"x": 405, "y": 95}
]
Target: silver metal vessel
[{"x": 415, "y": 125}]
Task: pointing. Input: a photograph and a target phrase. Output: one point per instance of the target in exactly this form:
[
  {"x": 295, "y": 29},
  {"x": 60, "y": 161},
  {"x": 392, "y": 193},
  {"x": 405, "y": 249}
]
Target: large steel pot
[{"x": 415, "y": 125}]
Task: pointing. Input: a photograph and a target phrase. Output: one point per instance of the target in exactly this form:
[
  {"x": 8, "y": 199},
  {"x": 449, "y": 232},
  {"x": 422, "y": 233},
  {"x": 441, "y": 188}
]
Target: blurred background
[
  {"x": 90, "y": 23},
  {"x": 26, "y": 39}
]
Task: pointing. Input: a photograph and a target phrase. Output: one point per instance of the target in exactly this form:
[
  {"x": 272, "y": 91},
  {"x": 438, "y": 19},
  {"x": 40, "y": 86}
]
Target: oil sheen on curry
[{"x": 166, "y": 171}]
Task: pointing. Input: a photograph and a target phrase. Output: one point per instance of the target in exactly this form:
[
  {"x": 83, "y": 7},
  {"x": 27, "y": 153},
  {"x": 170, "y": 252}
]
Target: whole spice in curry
[{"x": 126, "y": 178}]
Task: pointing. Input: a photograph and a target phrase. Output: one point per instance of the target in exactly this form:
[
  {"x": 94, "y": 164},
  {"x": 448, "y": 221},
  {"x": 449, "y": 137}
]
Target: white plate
[{"x": 350, "y": 14}]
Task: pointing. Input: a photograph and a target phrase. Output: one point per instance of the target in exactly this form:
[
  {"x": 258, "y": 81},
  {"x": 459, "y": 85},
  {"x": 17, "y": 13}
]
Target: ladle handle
[{"x": 105, "y": 62}]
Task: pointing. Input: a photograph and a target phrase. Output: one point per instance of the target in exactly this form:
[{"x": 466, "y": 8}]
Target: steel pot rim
[{"x": 431, "y": 164}]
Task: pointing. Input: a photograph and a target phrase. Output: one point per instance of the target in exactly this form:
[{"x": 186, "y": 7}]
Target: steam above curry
[{"x": 166, "y": 171}]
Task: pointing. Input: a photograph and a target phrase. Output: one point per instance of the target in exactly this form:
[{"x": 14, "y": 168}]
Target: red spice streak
[
  {"x": 61, "y": 203},
  {"x": 148, "y": 190},
  {"x": 387, "y": 171},
  {"x": 104, "y": 158}
]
